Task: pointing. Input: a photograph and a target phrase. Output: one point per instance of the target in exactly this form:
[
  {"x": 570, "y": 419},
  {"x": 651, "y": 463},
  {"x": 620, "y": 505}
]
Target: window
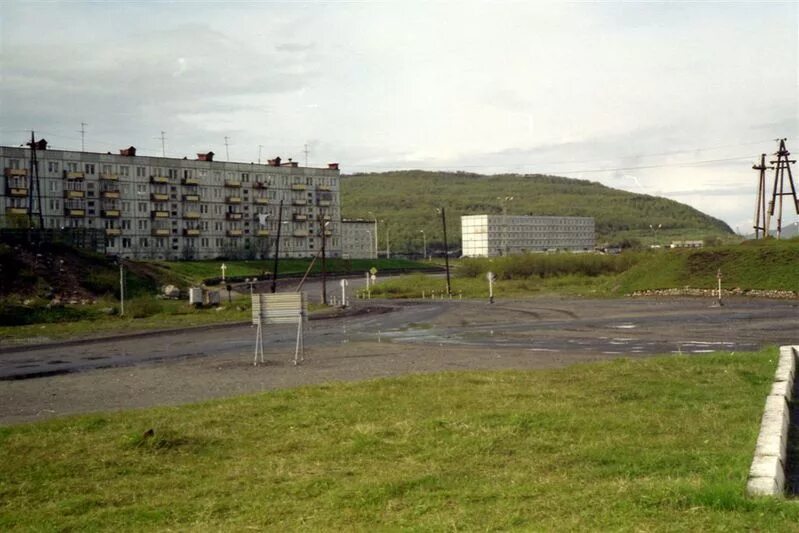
[
  {"x": 52, "y": 167},
  {"x": 89, "y": 168},
  {"x": 124, "y": 170},
  {"x": 13, "y": 163},
  {"x": 173, "y": 173},
  {"x": 142, "y": 207},
  {"x": 107, "y": 169},
  {"x": 72, "y": 167}
]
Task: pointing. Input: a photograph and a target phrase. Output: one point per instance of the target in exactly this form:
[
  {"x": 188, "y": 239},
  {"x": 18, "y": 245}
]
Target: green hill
[{"x": 406, "y": 201}]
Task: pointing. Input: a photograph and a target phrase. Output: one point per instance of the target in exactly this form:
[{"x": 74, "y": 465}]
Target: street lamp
[
  {"x": 446, "y": 248},
  {"x": 424, "y": 244},
  {"x": 324, "y": 257},
  {"x": 277, "y": 246},
  {"x": 655, "y": 232},
  {"x": 377, "y": 254}
]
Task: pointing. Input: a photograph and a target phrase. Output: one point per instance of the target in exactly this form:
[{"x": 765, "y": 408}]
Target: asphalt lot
[{"x": 387, "y": 338}]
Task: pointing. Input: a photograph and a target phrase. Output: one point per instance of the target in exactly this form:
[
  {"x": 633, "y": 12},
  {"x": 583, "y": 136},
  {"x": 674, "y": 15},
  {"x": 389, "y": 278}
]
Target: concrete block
[
  {"x": 786, "y": 366},
  {"x": 768, "y": 466},
  {"x": 782, "y": 388},
  {"x": 762, "y": 486}
]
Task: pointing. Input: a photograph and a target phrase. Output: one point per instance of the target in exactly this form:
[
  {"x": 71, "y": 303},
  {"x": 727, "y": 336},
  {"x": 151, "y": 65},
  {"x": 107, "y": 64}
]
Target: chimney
[
  {"x": 128, "y": 152},
  {"x": 332, "y": 166},
  {"x": 205, "y": 157},
  {"x": 274, "y": 162}
]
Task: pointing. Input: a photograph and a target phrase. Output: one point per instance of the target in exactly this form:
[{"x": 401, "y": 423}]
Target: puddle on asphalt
[{"x": 625, "y": 326}]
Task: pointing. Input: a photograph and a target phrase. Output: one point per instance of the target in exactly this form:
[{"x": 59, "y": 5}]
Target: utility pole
[
  {"x": 82, "y": 136},
  {"x": 163, "y": 144},
  {"x": 760, "y": 204},
  {"x": 446, "y": 249},
  {"x": 121, "y": 288},
  {"x": 323, "y": 228},
  {"x": 277, "y": 245},
  {"x": 424, "y": 244},
  {"x": 33, "y": 184},
  {"x": 227, "y": 152},
  {"x": 782, "y": 164}
]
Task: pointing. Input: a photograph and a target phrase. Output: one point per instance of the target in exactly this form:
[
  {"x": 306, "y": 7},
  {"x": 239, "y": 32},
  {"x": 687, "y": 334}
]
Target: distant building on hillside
[
  {"x": 495, "y": 235},
  {"x": 687, "y": 244},
  {"x": 358, "y": 239}
]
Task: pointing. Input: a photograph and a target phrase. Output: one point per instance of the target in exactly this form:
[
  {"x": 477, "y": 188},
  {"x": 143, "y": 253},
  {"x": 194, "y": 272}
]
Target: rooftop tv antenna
[
  {"x": 227, "y": 152},
  {"x": 82, "y": 136},
  {"x": 782, "y": 165},
  {"x": 306, "y": 151}
]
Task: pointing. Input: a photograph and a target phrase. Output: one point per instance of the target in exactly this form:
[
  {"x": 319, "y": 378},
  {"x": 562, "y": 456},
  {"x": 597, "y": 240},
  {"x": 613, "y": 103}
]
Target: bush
[{"x": 143, "y": 307}]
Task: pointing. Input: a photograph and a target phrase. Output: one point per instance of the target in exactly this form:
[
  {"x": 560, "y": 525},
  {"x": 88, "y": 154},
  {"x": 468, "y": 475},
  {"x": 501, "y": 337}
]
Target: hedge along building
[
  {"x": 167, "y": 208},
  {"x": 495, "y": 235}
]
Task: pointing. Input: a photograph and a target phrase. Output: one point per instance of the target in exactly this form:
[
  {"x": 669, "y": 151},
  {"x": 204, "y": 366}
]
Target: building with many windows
[
  {"x": 358, "y": 239},
  {"x": 494, "y": 235},
  {"x": 166, "y": 208}
]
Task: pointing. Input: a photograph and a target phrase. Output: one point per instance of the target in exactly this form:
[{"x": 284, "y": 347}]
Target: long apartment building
[
  {"x": 167, "y": 208},
  {"x": 495, "y": 235}
]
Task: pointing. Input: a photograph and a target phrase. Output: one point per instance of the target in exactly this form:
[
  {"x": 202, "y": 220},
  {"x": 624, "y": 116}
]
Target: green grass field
[{"x": 661, "y": 444}]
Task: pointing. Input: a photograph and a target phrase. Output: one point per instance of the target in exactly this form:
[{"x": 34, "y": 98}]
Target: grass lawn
[{"x": 649, "y": 444}]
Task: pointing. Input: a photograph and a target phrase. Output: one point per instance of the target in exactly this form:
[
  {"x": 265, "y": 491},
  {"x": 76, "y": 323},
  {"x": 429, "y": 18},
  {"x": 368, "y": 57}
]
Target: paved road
[
  {"x": 414, "y": 337},
  {"x": 607, "y": 327}
]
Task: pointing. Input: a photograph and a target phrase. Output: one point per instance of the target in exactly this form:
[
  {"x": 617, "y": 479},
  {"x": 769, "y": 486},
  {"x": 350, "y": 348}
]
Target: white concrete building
[
  {"x": 495, "y": 235},
  {"x": 358, "y": 239},
  {"x": 167, "y": 208}
]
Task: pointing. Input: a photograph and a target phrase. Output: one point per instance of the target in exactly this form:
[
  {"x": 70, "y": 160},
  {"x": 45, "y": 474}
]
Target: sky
[{"x": 669, "y": 99}]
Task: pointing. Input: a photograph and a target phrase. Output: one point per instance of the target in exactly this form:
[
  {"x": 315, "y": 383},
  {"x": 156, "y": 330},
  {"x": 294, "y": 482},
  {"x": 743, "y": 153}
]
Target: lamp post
[
  {"x": 388, "y": 242},
  {"x": 655, "y": 232},
  {"x": 424, "y": 244},
  {"x": 324, "y": 225},
  {"x": 446, "y": 248},
  {"x": 377, "y": 254},
  {"x": 277, "y": 246}
]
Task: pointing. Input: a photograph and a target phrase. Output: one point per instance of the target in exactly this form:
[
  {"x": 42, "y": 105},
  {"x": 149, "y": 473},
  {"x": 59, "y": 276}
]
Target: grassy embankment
[
  {"x": 765, "y": 265},
  {"x": 657, "y": 444},
  {"x": 39, "y": 322}
]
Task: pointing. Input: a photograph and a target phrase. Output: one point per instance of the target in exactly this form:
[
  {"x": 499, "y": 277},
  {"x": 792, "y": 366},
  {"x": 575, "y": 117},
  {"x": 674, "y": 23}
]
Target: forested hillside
[{"x": 407, "y": 200}]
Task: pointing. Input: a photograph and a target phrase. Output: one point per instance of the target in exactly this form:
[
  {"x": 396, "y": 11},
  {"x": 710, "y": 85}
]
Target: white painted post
[
  {"x": 344, "y": 284},
  {"x": 223, "y": 268},
  {"x": 490, "y": 277}
]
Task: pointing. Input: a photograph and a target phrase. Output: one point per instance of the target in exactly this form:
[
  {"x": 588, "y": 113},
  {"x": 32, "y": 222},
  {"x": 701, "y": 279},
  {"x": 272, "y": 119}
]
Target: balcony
[
  {"x": 72, "y": 175},
  {"x": 75, "y": 212},
  {"x": 259, "y": 185},
  {"x": 111, "y": 195},
  {"x": 233, "y": 199},
  {"x": 159, "y": 179},
  {"x": 323, "y": 188},
  {"x": 300, "y": 233},
  {"x": 234, "y": 233},
  {"x": 323, "y": 203},
  {"x": 112, "y": 232},
  {"x": 191, "y": 215},
  {"x": 74, "y": 194},
  {"x": 299, "y": 201},
  {"x": 191, "y": 232},
  {"x": 232, "y": 183},
  {"x": 190, "y": 181},
  {"x": 160, "y": 232},
  {"x": 298, "y": 187},
  {"x": 328, "y": 233},
  {"x": 262, "y": 233},
  {"x": 17, "y": 210},
  {"x": 159, "y": 197},
  {"x": 105, "y": 176},
  {"x": 299, "y": 218},
  {"x": 10, "y": 172},
  {"x": 110, "y": 213},
  {"x": 233, "y": 216},
  {"x": 191, "y": 197},
  {"x": 17, "y": 192},
  {"x": 260, "y": 201},
  {"x": 159, "y": 214}
]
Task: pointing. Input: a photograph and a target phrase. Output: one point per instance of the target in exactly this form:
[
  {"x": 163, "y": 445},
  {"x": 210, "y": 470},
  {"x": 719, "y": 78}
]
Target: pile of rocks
[{"x": 712, "y": 293}]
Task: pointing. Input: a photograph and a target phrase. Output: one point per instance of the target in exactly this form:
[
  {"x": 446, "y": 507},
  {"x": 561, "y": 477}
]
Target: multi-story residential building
[
  {"x": 358, "y": 239},
  {"x": 167, "y": 208},
  {"x": 493, "y": 235}
]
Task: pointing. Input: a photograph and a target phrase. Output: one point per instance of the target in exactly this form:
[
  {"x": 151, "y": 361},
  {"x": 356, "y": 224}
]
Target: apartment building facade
[
  {"x": 358, "y": 239},
  {"x": 168, "y": 208},
  {"x": 496, "y": 235}
]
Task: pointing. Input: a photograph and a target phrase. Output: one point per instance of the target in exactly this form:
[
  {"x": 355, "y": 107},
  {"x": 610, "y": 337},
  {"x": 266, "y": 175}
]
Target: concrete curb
[{"x": 767, "y": 473}]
